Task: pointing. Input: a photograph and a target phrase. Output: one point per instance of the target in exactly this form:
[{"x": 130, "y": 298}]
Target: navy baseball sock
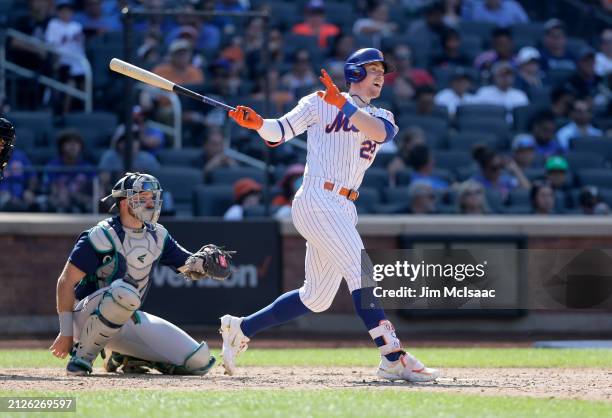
[
  {"x": 285, "y": 308},
  {"x": 372, "y": 315}
]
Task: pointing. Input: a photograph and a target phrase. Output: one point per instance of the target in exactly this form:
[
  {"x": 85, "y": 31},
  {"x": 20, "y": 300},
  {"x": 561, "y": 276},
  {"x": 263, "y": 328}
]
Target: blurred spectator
[
  {"x": 254, "y": 58},
  {"x": 33, "y": 24},
  {"x": 543, "y": 130},
  {"x": 590, "y": 202},
  {"x": 422, "y": 198},
  {"x": 529, "y": 76},
  {"x": 603, "y": 59},
  {"x": 423, "y": 165},
  {"x": 451, "y": 51},
  {"x": 301, "y": 74},
  {"x": 289, "y": 184},
  {"x": 314, "y": 23},
  {"x": 503, "y": 13},
  {"x": 406, "y": 79},
  {"x": 280, "y": 96},
  {"x": 343, "y": 46},
  {"x": 409, "y": 138},
  {"x": 492, "y": 175},
  {"x": 188, "y": 33},
  {"x": 377, "y": 24},
  {"x": 557, "y": 175},
  {"x": 458, "y": 92},
  {"x": 95, "y": 22},
  {"x": 502, "y": 49},
  {"x": 580, "y": 125},
  {"x": 471, "y": 199},
  {"x": 561, "y": 101},
  {"x": 66, "y": 35},
  {"x": 152, "y": 139},
  {"x": 253, "y": 35},
  {"x": 18, "y": 188},
  {"x": 247, "y": 193},
  {"x": 23, "y": 54},
  {"x": 111, "y": 162},
  {"x": 452, "y": 13},
  {"x": 523, "y": 151},
  {"x": 584, "y": 81},
  {"x": 227, "y": 23},
  {"x": 555, "y": 55},
  {"x": 542, "y": 198},
  {"x": 148, "y": 52},
  {"x": 177, "y": 69},
  {"x": 424, "y": 100},
  {"x": 68, "y": 177},
  {"x": 428, "y": 30},
  {"x": 502, "y": 93},
  {"x": 213, "y": 155},
  {"x": 208, "y": 36}
]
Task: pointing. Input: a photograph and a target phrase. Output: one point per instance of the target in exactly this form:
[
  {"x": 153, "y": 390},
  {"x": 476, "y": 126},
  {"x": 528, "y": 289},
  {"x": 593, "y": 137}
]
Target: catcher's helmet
[
  {"x": 7, "y": 136},
  {"x": 353, "y": 67},
  {"x": 128, "y": 187}
]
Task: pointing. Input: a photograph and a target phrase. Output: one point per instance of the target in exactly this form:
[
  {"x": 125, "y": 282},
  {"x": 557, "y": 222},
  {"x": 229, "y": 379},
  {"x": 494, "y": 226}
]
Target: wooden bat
[{"x": 148, "y": 77}]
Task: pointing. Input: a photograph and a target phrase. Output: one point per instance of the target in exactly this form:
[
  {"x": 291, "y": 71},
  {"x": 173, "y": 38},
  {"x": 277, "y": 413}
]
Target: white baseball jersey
[
  {"x": 337, "y": 150},
  {"x": 339, "y": 153}
]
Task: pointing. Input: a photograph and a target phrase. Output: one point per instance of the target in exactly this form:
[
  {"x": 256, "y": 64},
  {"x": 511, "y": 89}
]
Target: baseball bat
[{"x": 148, "y": 77}]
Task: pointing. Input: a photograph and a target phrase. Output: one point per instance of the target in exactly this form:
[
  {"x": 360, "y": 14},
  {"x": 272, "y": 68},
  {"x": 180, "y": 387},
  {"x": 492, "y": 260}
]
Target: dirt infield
[{"x": 590, "y": 383}]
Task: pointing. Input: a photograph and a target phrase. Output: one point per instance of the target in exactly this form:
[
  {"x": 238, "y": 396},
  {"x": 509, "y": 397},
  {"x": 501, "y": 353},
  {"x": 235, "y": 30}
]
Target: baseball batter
[
  {"x": 105, "y": 282},
  {"x": 345, "y": 131}
]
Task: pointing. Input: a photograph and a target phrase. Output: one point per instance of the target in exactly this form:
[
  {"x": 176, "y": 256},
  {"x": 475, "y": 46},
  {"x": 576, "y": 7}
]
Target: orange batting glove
[
  {"x": 332, "y": 94},
  {"x": 246, "y": 117}
]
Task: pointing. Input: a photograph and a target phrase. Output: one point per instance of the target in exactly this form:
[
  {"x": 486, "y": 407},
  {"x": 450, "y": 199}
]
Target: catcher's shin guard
[
  {"x": 116, "y": 307},
  {"x": 199, "y": 362}
]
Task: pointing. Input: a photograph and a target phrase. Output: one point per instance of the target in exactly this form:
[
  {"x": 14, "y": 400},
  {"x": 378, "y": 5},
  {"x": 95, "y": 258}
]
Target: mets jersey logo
[{"x": 341, "y": 122}]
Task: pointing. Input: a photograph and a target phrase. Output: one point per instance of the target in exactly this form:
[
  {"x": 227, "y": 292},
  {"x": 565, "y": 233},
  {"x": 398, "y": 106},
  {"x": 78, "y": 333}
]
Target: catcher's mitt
[{"x": 210, "y": 261}]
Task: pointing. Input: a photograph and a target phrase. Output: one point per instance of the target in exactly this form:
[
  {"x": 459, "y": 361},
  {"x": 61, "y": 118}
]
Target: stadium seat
[
  {"x": 600, "y": 177},
  {"x": 494, "y": 199},
  {"x": 465, "y": 141},
  {"x": 517, "y": 210},
  {"x": 377, "y": 178},
  {"x": 229, "y": 175},
  {"x": 453, "y": 159},
  {"x": 519, "y": 197},
  {"x": 104, "y": 123},
  {"x": 25, "y": 138},
  {"x": 527, "y": 34},
  {"x": 597, "y": 145},
  {"x": 383, "y": 159},
  {"x": 584, "y": 160},
  {"x": 535, "y": 173},
  {"x": 522, "y": 116},
  {"x": 443, "y": 75},
  {"x": 493, "y": 127},
  {"x": 368, "y": 197},
  {"x": 212, "y": 200},
  {"x": 480, "y": 29},
  {"x": 478, "y": 111},
  {"x": 41, "y": 155},
  {"x": 396, "y": 195},
  {"x": 184, "y": 157},
  {"x": 180, "y": 181},
  {"x": 471, "y": 46},
  {"x": 41, "y": 123},
  {"x": 556, "y": 78}
]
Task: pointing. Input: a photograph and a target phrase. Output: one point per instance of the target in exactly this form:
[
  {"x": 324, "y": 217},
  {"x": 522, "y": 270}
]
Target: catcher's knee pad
[
  {"x": 199, "y": 361},
  {"x": 116, "y": 307}
]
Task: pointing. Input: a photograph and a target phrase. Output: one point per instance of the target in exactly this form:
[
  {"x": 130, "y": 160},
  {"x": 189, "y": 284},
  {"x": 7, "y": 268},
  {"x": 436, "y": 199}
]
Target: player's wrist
[
  {"x": 348, "y": 109},
  {"x": 65, "y": 323}
]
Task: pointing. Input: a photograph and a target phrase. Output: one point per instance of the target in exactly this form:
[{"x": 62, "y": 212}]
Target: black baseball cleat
[{"x": 78, "y": 367}]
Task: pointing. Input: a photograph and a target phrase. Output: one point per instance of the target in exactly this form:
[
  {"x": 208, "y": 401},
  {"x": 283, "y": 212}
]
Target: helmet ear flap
[{"x": 354, "y": 73}]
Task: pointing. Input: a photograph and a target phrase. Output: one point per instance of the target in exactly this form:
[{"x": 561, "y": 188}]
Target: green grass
[
  {"x": 315, "y": 403},
  {"x": 439, "y": 357}
]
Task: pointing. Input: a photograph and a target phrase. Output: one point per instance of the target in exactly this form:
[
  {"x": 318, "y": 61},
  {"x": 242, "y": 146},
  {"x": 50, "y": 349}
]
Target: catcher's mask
[{"x": 129, "y": 187}]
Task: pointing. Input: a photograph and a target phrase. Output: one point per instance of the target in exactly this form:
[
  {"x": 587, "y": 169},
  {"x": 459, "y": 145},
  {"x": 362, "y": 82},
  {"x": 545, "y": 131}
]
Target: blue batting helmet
[{"x": 353, "y": 67}]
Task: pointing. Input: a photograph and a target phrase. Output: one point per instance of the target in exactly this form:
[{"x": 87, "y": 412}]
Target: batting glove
[
  {"x": 246, "y": 117},
  {"x": 332, "y": 94}
]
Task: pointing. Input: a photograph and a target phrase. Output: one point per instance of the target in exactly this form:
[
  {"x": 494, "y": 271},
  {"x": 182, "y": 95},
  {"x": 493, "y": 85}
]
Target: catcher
[{"x": 106, "y": 279}]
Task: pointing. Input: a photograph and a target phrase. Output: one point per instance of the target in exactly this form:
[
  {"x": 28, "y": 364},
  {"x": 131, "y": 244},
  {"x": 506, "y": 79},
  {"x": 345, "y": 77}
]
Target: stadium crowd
[{"x": 498, "y": 112}]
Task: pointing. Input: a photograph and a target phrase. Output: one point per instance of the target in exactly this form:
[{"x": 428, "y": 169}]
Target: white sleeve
[
  {"x": 292, "y": 124},
  {"x": 388, "y": 116},
  {"x": 234, "y": 213}
]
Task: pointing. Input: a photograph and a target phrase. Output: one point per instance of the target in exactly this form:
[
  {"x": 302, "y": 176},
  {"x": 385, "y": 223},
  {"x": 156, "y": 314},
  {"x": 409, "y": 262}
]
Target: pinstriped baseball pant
[{"x": 333, "y": 250}]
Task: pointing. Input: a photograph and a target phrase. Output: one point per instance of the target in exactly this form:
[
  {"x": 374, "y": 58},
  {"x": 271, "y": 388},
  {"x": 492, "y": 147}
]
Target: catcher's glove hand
[{"x": 210, "y": 261}]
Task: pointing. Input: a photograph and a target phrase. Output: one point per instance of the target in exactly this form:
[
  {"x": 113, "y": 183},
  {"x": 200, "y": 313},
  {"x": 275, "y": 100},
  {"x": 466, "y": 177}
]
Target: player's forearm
[
  {"x": 271, "y": 130},
  {"x": 65, "y": 303},
  {"x": 371, "y": 126}
]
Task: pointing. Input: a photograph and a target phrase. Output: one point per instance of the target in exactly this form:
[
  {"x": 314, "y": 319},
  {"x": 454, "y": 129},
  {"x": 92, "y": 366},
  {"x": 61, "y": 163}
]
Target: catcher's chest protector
[{"x": 132, "y": 257}]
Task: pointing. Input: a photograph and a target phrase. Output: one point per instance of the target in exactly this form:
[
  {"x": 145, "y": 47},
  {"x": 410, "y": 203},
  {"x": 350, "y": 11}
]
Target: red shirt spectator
[{"x": 315, "y": 25}]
